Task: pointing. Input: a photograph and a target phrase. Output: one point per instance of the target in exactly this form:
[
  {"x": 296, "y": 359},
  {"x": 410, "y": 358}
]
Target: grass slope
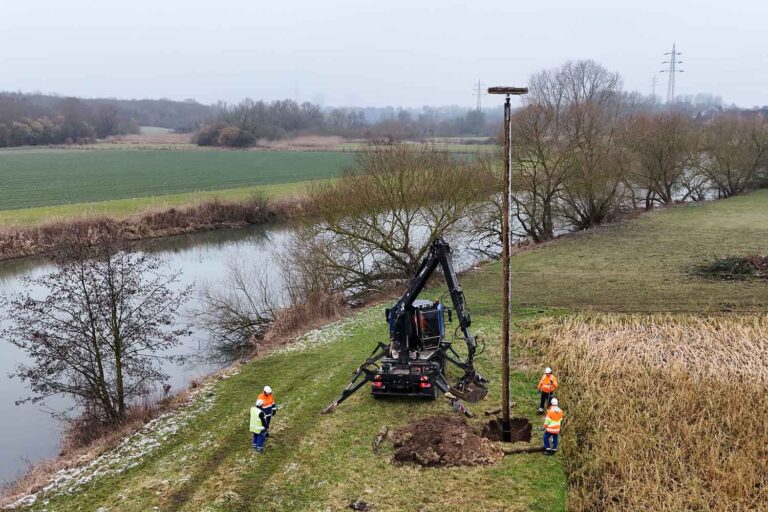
[
  {"x": 35, "y": 179},
  {"x": 645, "y": 264},
  {"x": 318, "y": 462}
]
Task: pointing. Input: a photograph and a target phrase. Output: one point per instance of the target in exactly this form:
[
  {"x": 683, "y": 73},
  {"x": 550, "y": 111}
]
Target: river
[{"x": 29, "y": 432}]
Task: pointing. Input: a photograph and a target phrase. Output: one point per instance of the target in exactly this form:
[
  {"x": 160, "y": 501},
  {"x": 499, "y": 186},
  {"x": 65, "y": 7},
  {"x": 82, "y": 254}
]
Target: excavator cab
[
  {"x": 429, "y": 322},
  {"x": 426, "y": 328}
]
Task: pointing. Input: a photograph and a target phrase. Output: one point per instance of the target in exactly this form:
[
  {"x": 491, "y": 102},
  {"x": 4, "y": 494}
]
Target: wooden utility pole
[{"x": 506, "y": 432}]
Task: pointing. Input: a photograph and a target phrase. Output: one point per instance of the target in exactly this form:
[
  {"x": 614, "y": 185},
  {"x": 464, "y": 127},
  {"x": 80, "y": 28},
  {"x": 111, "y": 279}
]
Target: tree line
[
  {"x": 584, "y": 150},
  {"x": 244, "y": 123},
  {"x": 35, "y": 119},
  {"x": 70, "y": 120}
]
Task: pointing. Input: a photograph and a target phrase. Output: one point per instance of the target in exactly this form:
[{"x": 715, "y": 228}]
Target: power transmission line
[
  {"x": 479, "y": 93},
  {"x": 654, "y": 81},
  {"x": 672, "y": 70}
]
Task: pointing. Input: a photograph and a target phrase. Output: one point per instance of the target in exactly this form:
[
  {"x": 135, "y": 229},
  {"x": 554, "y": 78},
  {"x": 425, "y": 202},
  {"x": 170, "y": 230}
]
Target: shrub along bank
[{"x": 18, "y": 242}]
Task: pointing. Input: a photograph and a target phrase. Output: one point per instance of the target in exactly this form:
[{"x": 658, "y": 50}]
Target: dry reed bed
[{"x": 664, "y": 413}]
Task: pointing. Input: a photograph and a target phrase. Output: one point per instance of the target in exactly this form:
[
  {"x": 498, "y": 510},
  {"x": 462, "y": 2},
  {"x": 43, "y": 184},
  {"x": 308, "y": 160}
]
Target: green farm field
[{"x": 32, "y": 179}]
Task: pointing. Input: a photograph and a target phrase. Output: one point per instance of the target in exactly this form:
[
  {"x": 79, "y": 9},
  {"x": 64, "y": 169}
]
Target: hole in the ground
[{"x": 520, "y": 428}]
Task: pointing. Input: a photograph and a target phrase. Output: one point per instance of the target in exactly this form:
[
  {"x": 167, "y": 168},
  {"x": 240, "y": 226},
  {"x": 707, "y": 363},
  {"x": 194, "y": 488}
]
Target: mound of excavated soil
[{"x": 443, "y": 441}]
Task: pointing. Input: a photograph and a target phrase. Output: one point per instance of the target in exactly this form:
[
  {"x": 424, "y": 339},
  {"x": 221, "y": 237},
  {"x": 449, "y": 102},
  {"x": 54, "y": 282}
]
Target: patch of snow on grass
[
  {"x": 128, "y": 453},
  {"x": 331, "y": 332}
]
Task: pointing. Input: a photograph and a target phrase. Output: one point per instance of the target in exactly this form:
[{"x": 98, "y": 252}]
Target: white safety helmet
[
  {"x": 554, "y": 402},
  {"x": 259, "y": 402},
  {"x": 547, "y": 370},
  {"x": 268, "y": 390}
]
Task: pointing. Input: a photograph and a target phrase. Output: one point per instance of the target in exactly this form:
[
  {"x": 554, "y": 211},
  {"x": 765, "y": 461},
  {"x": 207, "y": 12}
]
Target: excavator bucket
[{"x": 471, "y": 391}]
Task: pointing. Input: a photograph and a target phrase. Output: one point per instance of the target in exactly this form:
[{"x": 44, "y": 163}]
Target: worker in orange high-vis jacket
[
  {"x": 269, "y": 407},
  {"x": 552, "y": 423},
  {"x": 547, "y": 386}
]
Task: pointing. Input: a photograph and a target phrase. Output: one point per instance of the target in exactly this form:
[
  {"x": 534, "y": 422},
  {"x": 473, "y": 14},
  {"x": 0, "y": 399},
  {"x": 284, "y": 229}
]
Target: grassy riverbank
[
  {"x": 318, "y": 462},
  {"x": 647, "y": 264}
]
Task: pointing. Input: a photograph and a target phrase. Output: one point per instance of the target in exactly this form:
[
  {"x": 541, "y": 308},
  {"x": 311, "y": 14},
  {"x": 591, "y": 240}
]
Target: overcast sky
[{"x": 384, "y": 52}]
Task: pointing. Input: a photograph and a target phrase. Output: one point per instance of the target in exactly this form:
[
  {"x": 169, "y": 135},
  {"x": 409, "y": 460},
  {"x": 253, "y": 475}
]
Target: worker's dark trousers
[
  {"x": 258, "y": 440},
  {"x": 553, "y": 438},
  {"x": 268, "y": 415},
  {"x": 545, "y": 399}
]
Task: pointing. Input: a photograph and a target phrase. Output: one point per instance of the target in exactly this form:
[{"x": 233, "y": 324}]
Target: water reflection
[{"x": 29, "y": 432}]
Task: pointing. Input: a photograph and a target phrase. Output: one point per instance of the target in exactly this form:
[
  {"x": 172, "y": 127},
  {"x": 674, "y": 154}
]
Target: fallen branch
[
  {"x": 497, "y": 410},
  {"x": 511, "y": 450},
  {"x": 379, "y": 438}
]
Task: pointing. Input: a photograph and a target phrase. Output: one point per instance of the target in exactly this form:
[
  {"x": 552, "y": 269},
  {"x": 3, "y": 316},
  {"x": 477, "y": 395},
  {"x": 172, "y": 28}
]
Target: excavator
[{"x": 414, "y": 361}]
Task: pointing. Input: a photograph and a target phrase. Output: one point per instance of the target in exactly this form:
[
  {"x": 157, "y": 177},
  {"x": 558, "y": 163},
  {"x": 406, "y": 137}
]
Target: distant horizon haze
[{"x": 345, "y": 53}]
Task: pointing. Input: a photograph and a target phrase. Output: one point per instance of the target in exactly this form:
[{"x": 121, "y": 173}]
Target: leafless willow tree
[
  {"x": 237, "y": 312},
  {"x": 663, "y": 149},
  {"x": 596, "y": 108},
  {"x": 96, "y": 327},
  {"x": 569, "y": 160},
  {"x": 376, "y": 222},
  {"x": 735, "y": 153},
  {"x": 543, "y": 154}
]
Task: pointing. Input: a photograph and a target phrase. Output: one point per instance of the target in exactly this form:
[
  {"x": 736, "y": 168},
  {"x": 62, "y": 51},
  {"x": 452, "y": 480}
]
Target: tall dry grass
[{"x": 664, "y": 413}]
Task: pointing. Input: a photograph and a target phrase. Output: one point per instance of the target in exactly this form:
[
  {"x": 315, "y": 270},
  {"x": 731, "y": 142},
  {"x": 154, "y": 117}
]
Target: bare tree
[
  {"x": 664, "y": 148},
  {"x": 98, "y": 332},
  {"x": 590, "y": 107},
  {"x": 238, "y": 312},
  {"x": 543, "y": 153},
  {"x": 376, "y": 222},
  {"x": 485, "y": 220},
  {"x": 596, "y": 108},
  {"x": 735, "y": 153}
]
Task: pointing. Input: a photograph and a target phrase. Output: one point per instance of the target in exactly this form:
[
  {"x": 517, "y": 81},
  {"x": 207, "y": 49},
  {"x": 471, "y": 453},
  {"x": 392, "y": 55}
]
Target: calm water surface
[{"x": 29, "y": 432}]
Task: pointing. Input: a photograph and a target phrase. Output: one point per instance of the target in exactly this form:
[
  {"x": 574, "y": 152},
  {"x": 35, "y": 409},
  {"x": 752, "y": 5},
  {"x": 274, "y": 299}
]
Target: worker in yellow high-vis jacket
[
  {"x": 258, "y": 425},
  {"x": 552, "y": 423}
]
